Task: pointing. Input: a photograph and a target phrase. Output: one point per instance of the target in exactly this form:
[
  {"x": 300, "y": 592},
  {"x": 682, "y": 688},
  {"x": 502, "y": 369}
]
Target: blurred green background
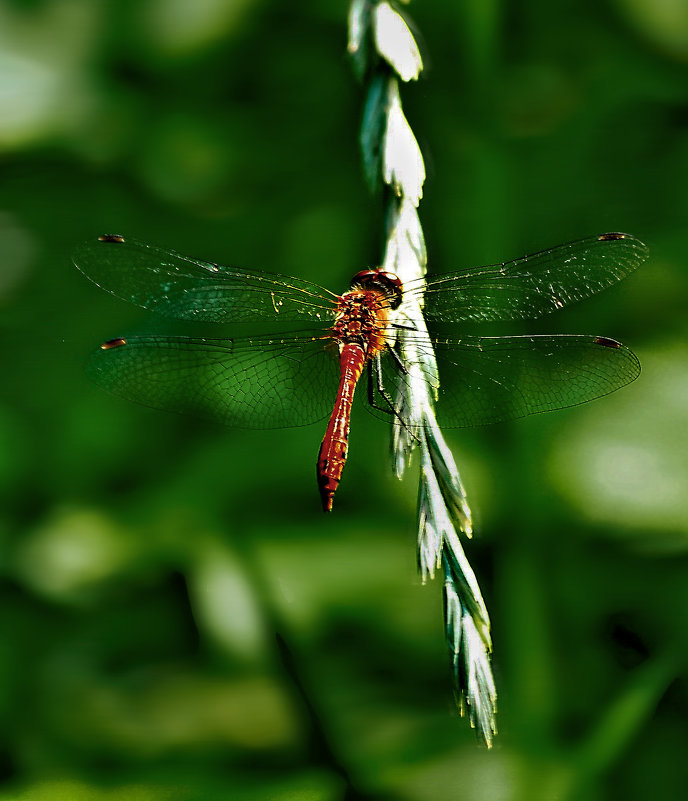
[{"x": 178, "y": 619}]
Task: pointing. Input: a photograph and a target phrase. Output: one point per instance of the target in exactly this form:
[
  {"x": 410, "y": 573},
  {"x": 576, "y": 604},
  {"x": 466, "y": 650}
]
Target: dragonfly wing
[
  {"x": 178, "y": 286},
  {"x": 491, "y": 379},
  {"x": 243, "y": 383},
  {"x": 533, "y": 285}
]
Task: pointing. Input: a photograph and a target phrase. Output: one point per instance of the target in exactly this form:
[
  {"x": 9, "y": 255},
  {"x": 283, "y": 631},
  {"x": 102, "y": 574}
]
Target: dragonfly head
[{"x": 388, "y": 284}]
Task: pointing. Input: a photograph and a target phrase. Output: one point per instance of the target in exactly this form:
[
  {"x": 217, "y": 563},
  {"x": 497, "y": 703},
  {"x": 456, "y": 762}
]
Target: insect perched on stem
[{"x": 294, "y": 379}]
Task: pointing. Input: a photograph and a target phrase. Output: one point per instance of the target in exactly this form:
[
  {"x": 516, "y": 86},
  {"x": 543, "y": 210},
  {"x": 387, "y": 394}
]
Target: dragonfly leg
[
  {"x": 403, "y": 327},
  {"x": 397, "y": 359},
  {"x": 375, "y": 383}
]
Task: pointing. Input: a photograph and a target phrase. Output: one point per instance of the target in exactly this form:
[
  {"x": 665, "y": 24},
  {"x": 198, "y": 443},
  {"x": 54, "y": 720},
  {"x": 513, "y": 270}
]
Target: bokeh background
[{"x": 178, "y": 619}]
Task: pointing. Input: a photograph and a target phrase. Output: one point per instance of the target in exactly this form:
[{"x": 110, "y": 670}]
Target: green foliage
[{"x": 149, "y": 560}]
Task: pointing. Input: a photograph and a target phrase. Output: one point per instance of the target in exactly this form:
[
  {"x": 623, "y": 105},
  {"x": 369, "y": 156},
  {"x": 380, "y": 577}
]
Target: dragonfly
[{"x": 300, "y": 377}]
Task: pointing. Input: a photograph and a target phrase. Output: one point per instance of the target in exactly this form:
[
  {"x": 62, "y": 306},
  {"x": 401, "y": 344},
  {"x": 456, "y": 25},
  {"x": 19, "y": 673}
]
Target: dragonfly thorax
[
  {"x": 362, "y": 318},
  {"x": 380, "y": 281}
]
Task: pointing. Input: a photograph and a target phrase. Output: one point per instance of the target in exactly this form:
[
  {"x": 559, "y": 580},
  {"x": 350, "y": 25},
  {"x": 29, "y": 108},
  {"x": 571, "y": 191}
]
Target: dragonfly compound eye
[{"x": 387, "y": 283}]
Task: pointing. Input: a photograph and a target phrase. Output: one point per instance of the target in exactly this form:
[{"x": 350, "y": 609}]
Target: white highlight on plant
[
  {"x": 402, "y": 162},
  {"x": 357, "y": 25},
  {"x": 405, "y": 242},
  {"x": 466, "y": 644},
  {"x": 395, "y": 42}
]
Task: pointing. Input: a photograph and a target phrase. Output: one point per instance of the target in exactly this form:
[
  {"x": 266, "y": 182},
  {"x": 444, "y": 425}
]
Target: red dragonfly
[{"x": 293, "y": 379}]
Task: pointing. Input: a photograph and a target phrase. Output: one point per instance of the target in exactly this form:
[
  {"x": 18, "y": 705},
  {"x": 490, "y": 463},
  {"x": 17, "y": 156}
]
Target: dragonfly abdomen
[{"x": 333, "y": 449}]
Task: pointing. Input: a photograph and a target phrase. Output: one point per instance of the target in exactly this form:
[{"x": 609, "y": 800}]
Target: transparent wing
[
  {"x": 178, "y": 286},
  {"x": 244, "y": 383},
  {"x": 490, "y": 379},
  {"x": 533, "y": 285}
]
